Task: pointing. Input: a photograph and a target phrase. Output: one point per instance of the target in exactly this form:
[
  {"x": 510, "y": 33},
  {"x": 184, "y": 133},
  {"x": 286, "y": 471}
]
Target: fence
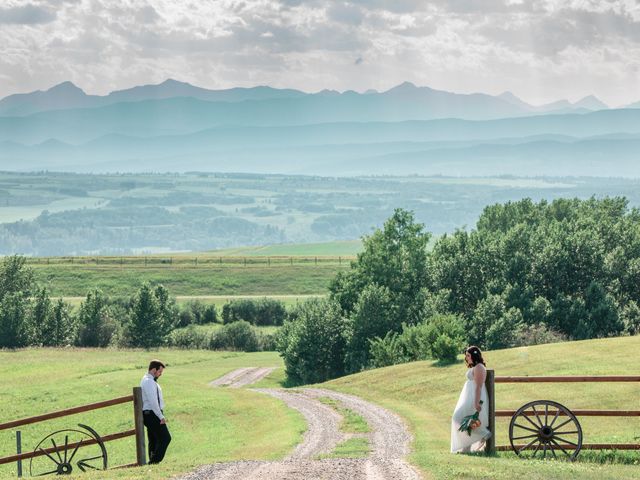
[
  {"x": 493, "y": 413},
  {"x": 138, "y": 430},
  {"x": 192, "y": 262}
]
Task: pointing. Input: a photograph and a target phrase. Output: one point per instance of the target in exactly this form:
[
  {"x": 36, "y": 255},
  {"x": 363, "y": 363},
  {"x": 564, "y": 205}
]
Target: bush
[
  {"x": 445, "y": 348},
  {"x": 313, "y": 344},
  {"x": 239, "y": 336},
  {"x": 188, "y": 338},
  {"x": 386, "y": 351},
  {"x": 265, "y": 311}
]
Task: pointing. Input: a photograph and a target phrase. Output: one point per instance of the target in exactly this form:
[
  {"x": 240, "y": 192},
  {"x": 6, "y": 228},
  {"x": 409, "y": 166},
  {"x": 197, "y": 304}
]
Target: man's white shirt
[{"x": 152, "y": 395}]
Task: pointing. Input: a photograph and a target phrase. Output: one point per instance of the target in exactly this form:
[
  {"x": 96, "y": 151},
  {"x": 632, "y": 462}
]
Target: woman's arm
[{"x": 479, "y": 376}]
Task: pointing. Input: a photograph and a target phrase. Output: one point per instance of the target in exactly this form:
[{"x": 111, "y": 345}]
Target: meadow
[
  {"x": 425, "y": 394},
  {"x": 225, "y": 424},
  {"x": 207, "y": 424}
]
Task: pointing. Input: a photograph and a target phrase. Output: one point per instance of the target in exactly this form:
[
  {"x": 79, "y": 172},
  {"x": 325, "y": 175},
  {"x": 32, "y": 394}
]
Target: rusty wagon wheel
[
  {"x": 545, "y": 426},
  {"x": 62, "y": 451}
]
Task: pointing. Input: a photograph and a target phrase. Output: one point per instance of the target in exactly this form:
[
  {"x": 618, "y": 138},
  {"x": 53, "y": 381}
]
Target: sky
[{"x": 541, "y": 50}]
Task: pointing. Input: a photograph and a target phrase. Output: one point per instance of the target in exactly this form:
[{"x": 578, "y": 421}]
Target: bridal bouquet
[{"x": 470, "y": 422}]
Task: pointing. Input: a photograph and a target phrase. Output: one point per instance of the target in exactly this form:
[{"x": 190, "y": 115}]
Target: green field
[
  {"x": 207, "y": 424},
  {"x": 225, "y": 424},
  {"x": 114, "y": 280},
  {"x": 425, "y": 394},
  {"x": 346, "y": 248}
]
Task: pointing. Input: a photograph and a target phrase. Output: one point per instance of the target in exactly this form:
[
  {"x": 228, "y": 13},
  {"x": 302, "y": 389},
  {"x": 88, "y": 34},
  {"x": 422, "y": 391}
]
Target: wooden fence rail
[
  {"x": 138, "y": 430},
  {"x": 493, "y": 413}
]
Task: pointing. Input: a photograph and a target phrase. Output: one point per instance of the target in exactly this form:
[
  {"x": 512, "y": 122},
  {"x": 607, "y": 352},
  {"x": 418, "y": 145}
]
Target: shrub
[
  {"x": 445, "y": 348},
  {"x": 313, "y": 344},
  {"x": 386, "y": 351},
  {"x": 189, "y": 338},
  {"x": 239, "y": 336}
]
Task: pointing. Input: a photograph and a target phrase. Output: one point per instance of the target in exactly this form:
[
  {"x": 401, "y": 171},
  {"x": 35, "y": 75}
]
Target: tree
[
  {"x": 373, "y": 316},
  {"x": 59, "y": 330},
  {"x": 40, "y": 317},
  {"x": 395, "y": 258},
  {"x": 13, "y": 329},
  {"x": 95, "y": 325},
  {"x": 313, "y": 343},
  {"x": 146, "y": 327}
]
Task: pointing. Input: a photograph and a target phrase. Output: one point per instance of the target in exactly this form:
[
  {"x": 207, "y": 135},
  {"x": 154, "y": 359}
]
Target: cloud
[
  {"x": 26, "y": 15},
  {"x": 461, "y": 45}
]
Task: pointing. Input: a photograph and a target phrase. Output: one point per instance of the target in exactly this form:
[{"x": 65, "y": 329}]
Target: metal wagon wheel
[
  {"x": 539, "y": 426},
  {"x": 62, "y": 451}
]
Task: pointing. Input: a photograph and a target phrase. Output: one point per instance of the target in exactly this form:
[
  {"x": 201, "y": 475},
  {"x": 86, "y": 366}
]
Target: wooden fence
[
  {"x": 191, "y": 261},
  {"x": 138, "y": 430},
  {"x": 493, "y": 413}
]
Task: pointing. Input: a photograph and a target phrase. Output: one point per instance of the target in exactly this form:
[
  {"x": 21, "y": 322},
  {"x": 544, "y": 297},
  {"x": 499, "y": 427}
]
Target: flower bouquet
[{"x": 470, "y": 422}]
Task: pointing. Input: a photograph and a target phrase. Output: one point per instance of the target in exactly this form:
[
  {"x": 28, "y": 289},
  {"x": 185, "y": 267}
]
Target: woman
[{"x": 473, "y": 392}]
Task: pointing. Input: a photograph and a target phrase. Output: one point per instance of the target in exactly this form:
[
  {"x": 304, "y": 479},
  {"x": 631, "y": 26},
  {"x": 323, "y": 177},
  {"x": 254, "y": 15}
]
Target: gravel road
[
  {"x": 389, "y": 441},
  {"x": 242, "y": 377}
]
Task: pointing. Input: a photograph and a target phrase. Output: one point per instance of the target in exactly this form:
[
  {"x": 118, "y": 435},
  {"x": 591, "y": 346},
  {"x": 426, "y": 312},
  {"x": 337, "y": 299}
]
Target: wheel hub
[{"x": 64, "y": 469}]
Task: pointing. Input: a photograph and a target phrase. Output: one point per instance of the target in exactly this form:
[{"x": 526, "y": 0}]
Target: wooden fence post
[
  {"x": 141, "y": 455},
  {"x": 19, "y": 451},
  {"x": 490, "y": 447}
]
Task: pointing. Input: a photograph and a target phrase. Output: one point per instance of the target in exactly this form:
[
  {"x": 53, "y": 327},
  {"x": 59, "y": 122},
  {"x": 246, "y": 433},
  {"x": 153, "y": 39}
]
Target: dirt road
[{"x": 389, "y": 441}]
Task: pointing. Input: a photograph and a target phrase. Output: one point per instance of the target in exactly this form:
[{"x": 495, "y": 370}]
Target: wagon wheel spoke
[
  {"x": 66, "y": 447},
  {"x": 566, "y": 433},
  {"x": 544, "y": 452},
  {"x": 553, "y": 451},
  {"x": 536, "y": 450},
  {"x": 521, "y": 449},
  {"x": 47, "y": 454},
  {"x": 526, "y": 436},
  {"x": 57, "y": 452},
  {"x": 561, "y": 448},
  {"x": 526, "y": 417},
  {"x": 75, "y": 450},
  {"x": 526, "y": 428},
  {"x": 555, "y": 417},
  {"x": 565, "y": 440},
  {"x": 47, "y": 473},
  {"x": 546, "y": 413},
  {"x": 82, "y": 465},
  {"x": 537, "y": 416},
  {"x": 564, "y": 423}
]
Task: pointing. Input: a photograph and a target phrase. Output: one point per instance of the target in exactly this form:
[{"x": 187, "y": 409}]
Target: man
[{"x": 152, "y": 409}]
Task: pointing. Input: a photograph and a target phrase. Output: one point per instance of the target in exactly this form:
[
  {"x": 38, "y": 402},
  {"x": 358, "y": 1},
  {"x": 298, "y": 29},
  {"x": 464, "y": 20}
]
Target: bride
[{"x": 473, "y": 392}]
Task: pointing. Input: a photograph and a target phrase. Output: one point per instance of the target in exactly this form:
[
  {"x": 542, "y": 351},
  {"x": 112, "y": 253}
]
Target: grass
[
  {"x": 354, "y": 447},
  {"x": 346, "y": 248},
  {"x": 351, "y": 421},
  {"x": 208, "y": 329},
  {"x": 114, "y": 280},
  {"x": 207, "y": 424},
  {"x": 424, "y": 394}
]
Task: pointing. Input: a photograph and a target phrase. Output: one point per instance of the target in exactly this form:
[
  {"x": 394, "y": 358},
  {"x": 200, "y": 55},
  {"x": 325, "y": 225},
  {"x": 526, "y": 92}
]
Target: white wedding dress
[{"x": 461, "y": 442}]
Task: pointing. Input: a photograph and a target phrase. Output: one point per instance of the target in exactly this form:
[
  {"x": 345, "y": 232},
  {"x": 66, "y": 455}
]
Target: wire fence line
[{"x": 192, "y": 261}]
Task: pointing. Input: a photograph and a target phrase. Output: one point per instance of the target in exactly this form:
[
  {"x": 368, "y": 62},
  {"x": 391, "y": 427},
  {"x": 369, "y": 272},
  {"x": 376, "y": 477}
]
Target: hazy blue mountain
[
  {"x": 403, "y": 102},
  {"x": 67, "y": 96},
  {"x": 540, "y": 145},
  {"x": 182, "y": 115}
]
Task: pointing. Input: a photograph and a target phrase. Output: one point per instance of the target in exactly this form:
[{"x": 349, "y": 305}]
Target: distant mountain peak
[
  {"x": 591, "y": 102},
  {"x": 65, "y": 87},
  {"x": 170, "y": 82},
  {"x": 403, "y": 87}
]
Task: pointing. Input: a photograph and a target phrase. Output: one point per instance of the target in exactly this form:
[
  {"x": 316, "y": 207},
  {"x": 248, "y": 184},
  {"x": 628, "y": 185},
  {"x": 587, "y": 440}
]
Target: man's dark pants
[{"x": 157, "y": 435}]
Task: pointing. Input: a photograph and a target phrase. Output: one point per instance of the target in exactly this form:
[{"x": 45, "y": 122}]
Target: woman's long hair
[{"x": 476, "y": 356}]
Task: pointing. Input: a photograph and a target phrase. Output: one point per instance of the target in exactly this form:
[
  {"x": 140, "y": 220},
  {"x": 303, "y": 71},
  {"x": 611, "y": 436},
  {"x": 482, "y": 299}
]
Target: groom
[{"x": 152, "y": 409}]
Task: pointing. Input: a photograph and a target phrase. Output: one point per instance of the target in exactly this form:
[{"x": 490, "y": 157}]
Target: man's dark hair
[{"x": 155, "y": 364}]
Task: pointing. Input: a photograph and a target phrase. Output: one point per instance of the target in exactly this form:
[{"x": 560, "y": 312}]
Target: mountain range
[{"x": 175, "y": 126}]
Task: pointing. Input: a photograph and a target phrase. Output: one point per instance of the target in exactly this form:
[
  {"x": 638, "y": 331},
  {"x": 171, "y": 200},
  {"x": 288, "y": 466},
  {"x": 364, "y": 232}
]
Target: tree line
[
  {"x": 149, "y": 318},
  {"x": 528, "y": 273}
]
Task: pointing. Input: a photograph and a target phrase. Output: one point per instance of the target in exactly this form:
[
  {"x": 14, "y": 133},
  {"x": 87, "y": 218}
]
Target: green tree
[
  {"x": 146, "y": 327},
  {"x": 40, "y": 317},
  {"x": 313, "y": 343},
  {"x": 373, "y": 316},
  {"x": 13, "y": 328},
  {"x": 59, "y": 330},
  {"x": 95, "y": 325},
  {"x": 395, "y": 258}
]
